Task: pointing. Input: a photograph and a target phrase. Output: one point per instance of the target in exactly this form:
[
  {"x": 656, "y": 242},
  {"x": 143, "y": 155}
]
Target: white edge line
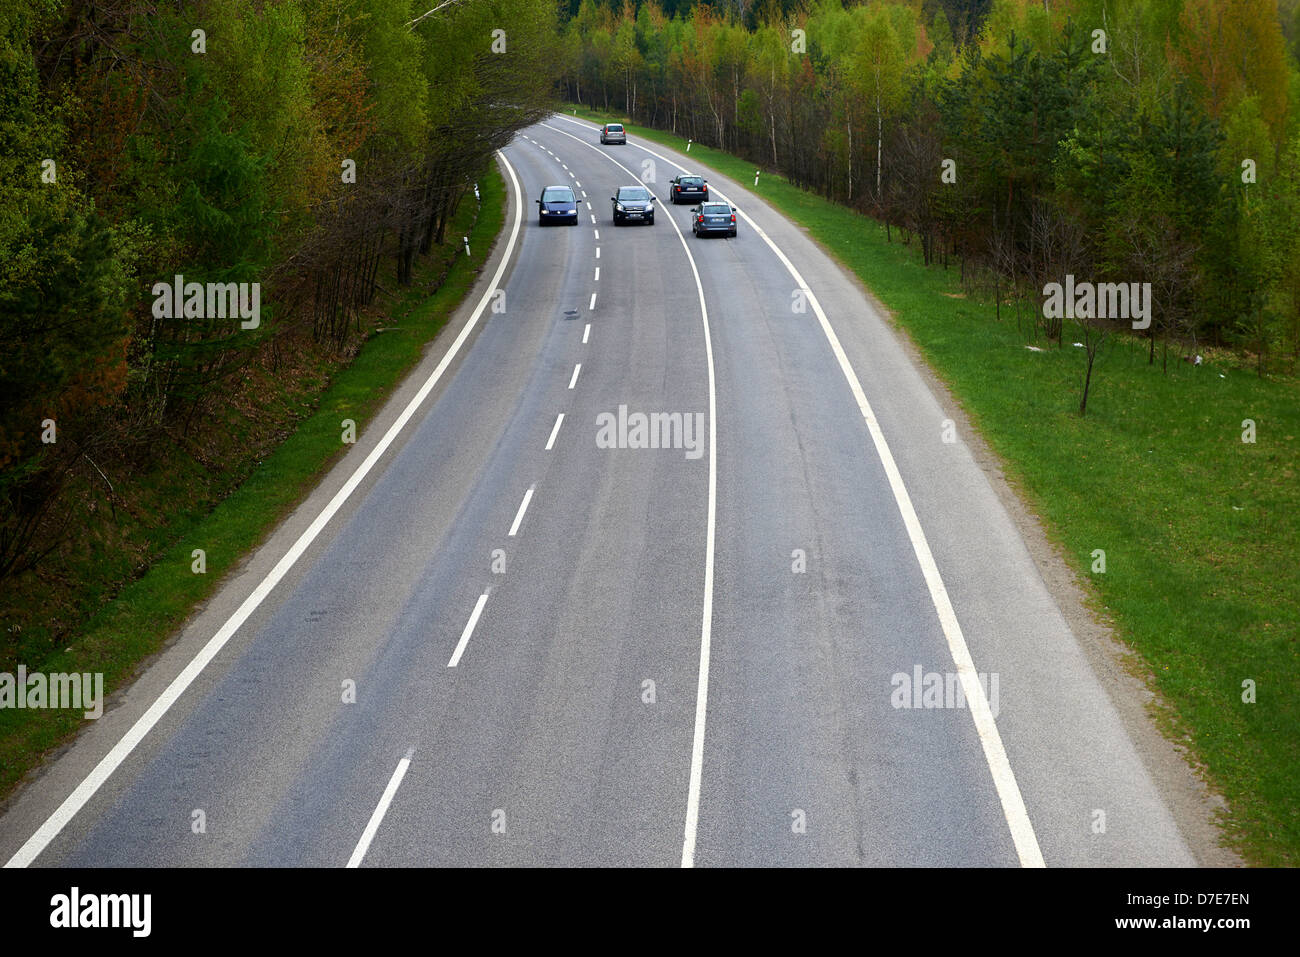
[
  {"x": 469, "y": 630},
  {"x": 145, "y": 723},
  {"x": 1004, "y": 778},
  {"x": 706, "y": 617},
  {"x": 381, "y": 809},
  {"x": 555, "y": 431},
  {"x": 519, "y": 515}
]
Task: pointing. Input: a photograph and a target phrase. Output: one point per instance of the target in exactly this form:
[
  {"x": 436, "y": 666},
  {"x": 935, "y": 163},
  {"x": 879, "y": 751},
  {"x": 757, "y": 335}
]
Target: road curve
[{"x": 568, "y": 653}]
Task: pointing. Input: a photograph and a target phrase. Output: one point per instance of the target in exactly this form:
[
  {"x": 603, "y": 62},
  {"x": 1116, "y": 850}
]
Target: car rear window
[
  {"x": 714, "y": 208},
  {"x": 692, "y": 181},
  {"x": 614, "y": 128},
  {"x": 557, "y": 194}
]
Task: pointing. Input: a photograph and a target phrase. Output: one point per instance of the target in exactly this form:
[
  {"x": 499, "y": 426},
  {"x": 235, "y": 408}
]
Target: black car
[
  {"x": 613, "y": 133},
  {"x": 633, "y": 204},
  {"x": 688, "y": 188},
  {"x": 713, "y": 218},
  {"x": 558, "y": 204}
]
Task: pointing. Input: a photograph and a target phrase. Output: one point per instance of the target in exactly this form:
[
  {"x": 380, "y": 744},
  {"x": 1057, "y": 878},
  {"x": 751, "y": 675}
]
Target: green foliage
[{"x": 224, "y": 164}]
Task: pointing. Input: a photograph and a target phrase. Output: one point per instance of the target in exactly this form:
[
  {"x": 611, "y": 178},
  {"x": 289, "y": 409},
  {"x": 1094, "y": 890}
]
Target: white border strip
[
  {"x": 145, "y": 723},
  {"x": 1004, "y": 779}
]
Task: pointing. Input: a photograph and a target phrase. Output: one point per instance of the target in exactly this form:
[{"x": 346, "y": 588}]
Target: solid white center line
[
  {"x": 469, "y": 630},
  {"x": 597, "y": 279},
  {"x": 585, "y": 333},
  {"x": 593, "y": 301},
  {"x": 555, "y": 431},
  {"x": 523, "y": 507},
  {"x": 575, "y": 375},
  {"x": 706, "y": 617},
  {"x": 372, "y": 827}
]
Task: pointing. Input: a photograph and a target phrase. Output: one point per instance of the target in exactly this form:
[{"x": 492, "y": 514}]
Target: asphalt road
[{"x": 661, "y": 655}]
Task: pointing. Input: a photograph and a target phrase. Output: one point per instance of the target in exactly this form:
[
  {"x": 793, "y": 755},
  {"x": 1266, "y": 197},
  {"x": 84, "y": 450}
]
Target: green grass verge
[
  {"x": 1199, "y": 528},
  {"x": 148, "y": 611}
]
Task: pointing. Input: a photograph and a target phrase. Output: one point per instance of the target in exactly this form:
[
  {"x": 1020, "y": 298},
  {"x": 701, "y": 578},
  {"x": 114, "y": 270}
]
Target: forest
[
  {"x": 307, "y": 152},
  {"x": 1020, "y": 141}
]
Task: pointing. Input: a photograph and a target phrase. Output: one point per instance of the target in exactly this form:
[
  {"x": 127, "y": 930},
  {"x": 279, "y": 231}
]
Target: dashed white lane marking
[
  {"x": 102, "y": 771},
  {"x": 597, "y": 232},
  {"x": 580, "y": 186},
  {"x": 571, "y": 176},
  {"x": 469, "y": 630},
  {"x": 564, "y": 166},
  {"x": 1004, "y": 778},
  {"x": 519, "y": 515},
  {"x": 386, "y": 799},
  {"x": 584, "y": 194},
  {"x": 592, "y": 305},
  {"x": 597, "y": 279},
  {"x": 589, "y": 205},
  {"x": 574, "y": 380},
  {"x": 593, "y": 218},
  {"x": 585, "y": 333},
  {"x": 597, "y": 252},
  {"x": 555, "y": 431}
]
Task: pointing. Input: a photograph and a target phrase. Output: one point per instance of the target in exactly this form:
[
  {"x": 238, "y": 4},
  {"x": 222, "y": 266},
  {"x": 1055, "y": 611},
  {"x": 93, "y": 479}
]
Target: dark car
[
  {"x": 633, "y": 204},
  {"x": 683, "y": 188},
  {"x": 557, "y": 205},
  {"x": 713, "y": 218},
  {"x": 613, "y": 133}
]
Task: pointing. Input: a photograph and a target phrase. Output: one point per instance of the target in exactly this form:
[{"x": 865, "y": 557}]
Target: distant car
[
  {"x": 557, "y": 205},
  {"x": 688, "y": 187},
  {"x": 713, "y": 218},
  {"x": 613, "y": 133},
  {"x": 633, "y": 204}
]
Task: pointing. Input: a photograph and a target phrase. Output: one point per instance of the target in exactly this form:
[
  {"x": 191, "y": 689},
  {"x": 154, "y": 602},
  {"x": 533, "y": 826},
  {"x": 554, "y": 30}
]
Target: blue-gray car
[
  {"x": 557, "y": 205},
  {"x": 713, "y": 218}
]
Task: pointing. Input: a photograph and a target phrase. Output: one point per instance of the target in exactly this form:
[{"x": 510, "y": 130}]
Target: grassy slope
[
  {"x": 137, "y": 622},
  {"x": 1200, "y": 530}
]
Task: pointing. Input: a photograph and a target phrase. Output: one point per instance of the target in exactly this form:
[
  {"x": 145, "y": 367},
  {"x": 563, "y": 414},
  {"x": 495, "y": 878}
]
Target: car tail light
[
  {"x": 733, "y": 217},
  {"x": 699, "y": 218}
]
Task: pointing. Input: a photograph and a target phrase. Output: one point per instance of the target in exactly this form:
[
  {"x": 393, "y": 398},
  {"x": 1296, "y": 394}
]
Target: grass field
[
  {"x": 132, "y": 625},
  {"x": 1201, "y": 530}
]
